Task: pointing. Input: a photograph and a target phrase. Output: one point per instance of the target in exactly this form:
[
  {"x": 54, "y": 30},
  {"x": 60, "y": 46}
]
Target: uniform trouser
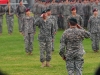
[
  {"x": 53, "y": 44},
  {"x": 20, "y": 22},
  {"x": 60, "y": 22},
  {"x": 95, "y": 40},
  {"x": 74, "y": 64},
  {"x": 28, "y": 38},
  {"x": 10, "y": 23},
  {"x": 65, "y": 22},
  {"x": 86, "y": 18},
  {"x": 45, "y": 51},
  {"x": 1, "y": 21},
  {"x": 56, "y": 18}
]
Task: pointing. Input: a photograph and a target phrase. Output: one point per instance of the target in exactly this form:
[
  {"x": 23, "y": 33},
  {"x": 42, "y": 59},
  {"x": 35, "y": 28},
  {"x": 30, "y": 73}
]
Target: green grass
[{"x": 14, "y": 61}]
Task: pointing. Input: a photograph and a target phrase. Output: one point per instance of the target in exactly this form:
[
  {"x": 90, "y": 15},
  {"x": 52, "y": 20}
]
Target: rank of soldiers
[{"x": 72, "y": 16}]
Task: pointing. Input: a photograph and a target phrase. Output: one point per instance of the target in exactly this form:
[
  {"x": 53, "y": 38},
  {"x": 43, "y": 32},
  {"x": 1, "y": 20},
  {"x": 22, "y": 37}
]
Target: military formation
[{"x": 49, "y": 16}]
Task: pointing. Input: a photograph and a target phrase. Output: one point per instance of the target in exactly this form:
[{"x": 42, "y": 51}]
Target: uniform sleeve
[
  {"x": 17, "y": 11},
  {"x": 62, "y": 46},
  {"x": 37, "y": 22},
  {"x": 23, "y": 27},
  {"x": 67, "y": 25},
  {"x": 12, "y": 11},
  {"x": 55, "y": 24},
  {"x": 89, "y": 25},
  {"x": 86, "y": 34},
  {"x": 3, "y": 11},
  {"x": 34, "y": 26},
  {"x": 81, "y": 21}
]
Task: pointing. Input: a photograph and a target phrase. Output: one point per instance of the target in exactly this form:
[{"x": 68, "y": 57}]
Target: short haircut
[{"x": 72, "y": 23}]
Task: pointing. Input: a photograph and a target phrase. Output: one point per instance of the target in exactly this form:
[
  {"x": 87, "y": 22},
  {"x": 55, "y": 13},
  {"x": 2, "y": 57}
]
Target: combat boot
[{"x": 43, "y": 64}]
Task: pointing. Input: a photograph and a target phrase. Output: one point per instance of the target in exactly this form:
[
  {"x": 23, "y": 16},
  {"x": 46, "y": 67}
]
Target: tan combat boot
[
  {"x": 48, "y": 64},
  {"x": 43, "y": 64}
]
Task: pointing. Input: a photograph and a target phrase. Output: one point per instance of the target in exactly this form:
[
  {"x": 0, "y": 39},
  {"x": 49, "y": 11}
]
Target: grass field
[{"x": 14, "y": 61}]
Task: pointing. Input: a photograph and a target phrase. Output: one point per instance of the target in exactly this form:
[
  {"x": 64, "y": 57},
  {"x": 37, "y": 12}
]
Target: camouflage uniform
[
  {"x": 79, "y": 20},
  {"x": 79, "y": 9},
  {"x": 86, "y": 14},
  {"x": 20, "y": 11},
  {"x": 43, "y": 7},
  {"x": 90, "y": 5},
  {"x": 28, "y": 29},
  {"x": 9, "y": 18},
  {"x": 54, "y": 10},
  {"x": 60, "y": 16},
  {"x": 55, "y": 28},
  {"x": 2, "y": 12},
  {"x": 39, "y": 10},
  {"x": 66, "y": 12},
  {"x": 97, "y": 6},
  {"x": 45, "y": 38},
  {"x": 34, "y": 10},
  {"x": 94, "y": 29},
  {"x": 71, "y": 49}
]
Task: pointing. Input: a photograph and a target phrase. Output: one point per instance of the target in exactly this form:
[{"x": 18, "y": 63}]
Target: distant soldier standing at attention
[
  {"x": 71, "y": 48},
  {"x": 76, "y": 16},
  {"x": 28, "y": 30},
  {"x": 9, "y": 10},
  {"x": 20, "y": 12},
  {"x": 54, "y": 20},
  {"x": 94, "y": 29}
]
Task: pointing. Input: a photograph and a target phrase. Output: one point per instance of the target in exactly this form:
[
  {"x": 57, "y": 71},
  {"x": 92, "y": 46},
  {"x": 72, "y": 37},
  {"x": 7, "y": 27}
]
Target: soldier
[
  {"x": 54, "y": 9},
  {"x": 44, "y": 6},
  {"x": 45, "y": 38},
  {"x": 60, "y": 15},
  {"x": 71, "y": 48},
  {"x": 90, "y": 5},
  {"x": 28, "y": 30},
  {"x": 66, "y": 11},
  {"x": 76, "y": 16},
  {"x": 34, "y": 9},
  {"x": 54, "y": 24},
  {"x": 94, "y": 29},
  {"x": 97, "y": 6},
  {"x": 9, "y": 17},
  {"x": 2, "y": 12},
  {"x": 86, "y": 13},
  {"x": 20, "y": 13},
  {"x": 79, "y": 8},
  {"x": 39, "y": 8}
]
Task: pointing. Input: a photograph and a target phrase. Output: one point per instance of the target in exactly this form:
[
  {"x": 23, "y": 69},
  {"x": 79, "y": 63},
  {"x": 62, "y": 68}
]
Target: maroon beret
[
  {"x": 27, "y": 9},
  {"x": 95, "y": 10},
  {"x": 73, "y": 8}
]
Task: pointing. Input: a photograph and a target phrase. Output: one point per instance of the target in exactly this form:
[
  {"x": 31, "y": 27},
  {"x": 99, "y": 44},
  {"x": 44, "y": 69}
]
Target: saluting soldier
[
  {"x": 28, "y": 30},
  {"x": 46, "y": 34},
  {"x": 9, "y": 17},
  {"x": 2, "y": 12},
  {"x": 20, "y": 13},
  {"x": 71, "y": 48},
  {"x": 94, "y": 29}
]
